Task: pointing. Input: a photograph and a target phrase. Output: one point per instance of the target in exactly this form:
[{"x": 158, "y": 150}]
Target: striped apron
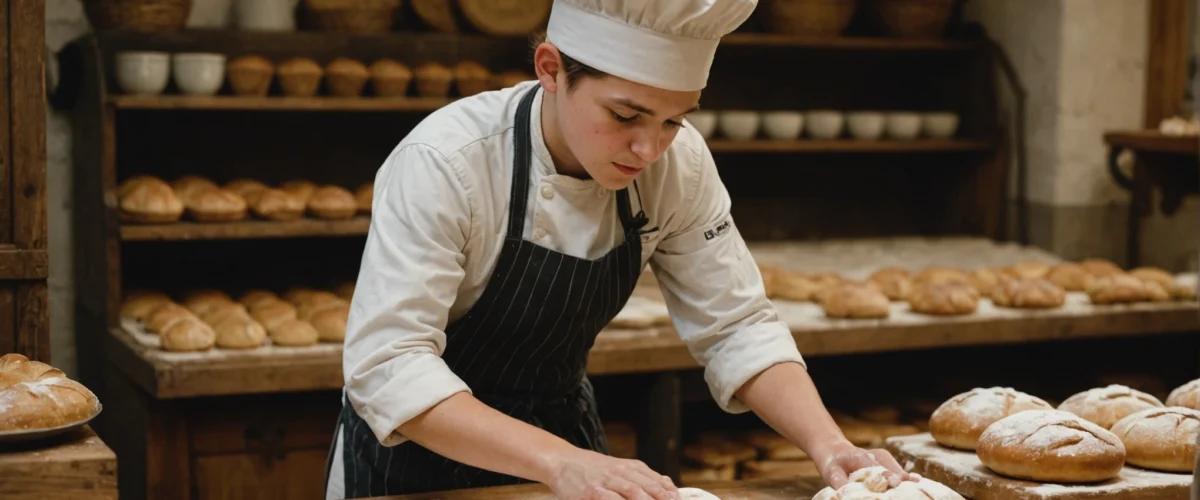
[{"x": 522, "y": 348}]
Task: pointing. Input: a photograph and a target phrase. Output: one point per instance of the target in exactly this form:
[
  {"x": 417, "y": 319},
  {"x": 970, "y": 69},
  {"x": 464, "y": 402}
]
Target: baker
[{"x": 510, "y": 227}]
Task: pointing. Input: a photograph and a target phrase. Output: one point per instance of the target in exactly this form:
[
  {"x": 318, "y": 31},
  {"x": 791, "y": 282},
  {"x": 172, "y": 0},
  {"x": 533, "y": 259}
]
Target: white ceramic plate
[{"x": 20, "y": 436}]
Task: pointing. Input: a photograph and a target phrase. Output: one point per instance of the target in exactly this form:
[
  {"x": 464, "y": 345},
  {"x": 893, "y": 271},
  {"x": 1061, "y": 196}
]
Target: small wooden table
[
  {"x": 759, "y": 489},
  {"x": 73, "y": 466},
  {"x": 1170, "y": 163}
]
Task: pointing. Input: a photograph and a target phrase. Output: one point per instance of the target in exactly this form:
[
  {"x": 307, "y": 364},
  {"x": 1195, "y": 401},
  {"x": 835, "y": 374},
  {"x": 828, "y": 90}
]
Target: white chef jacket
[{"x": 438, "y": 222}]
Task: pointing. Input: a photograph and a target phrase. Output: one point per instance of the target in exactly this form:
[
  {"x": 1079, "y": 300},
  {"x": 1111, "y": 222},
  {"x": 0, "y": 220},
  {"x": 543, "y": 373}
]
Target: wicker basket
[
  {"x": 138, "y": 15},
  {"x": 808, "y": 17},
  {"x": 355, "y": 16},
  {"x": 912, "y": 18}
]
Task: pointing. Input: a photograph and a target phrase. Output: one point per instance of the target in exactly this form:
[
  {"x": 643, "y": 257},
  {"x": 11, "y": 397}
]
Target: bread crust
[
  {"x": 959, "y": 421},
  {"x": 1051, "y": 446},
  {"x": 1162, "y": 439}
]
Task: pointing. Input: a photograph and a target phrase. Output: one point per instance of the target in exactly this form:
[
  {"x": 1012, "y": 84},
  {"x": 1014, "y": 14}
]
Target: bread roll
[
  {"x": 390, "y": 78},
  {"x": 1154, "y": 274},
  {"x": 200, "y": 301},
  {"x": 1027, "y": 270},
  {"x": 345, "y": 77},
  {"x": 772, "y": 446},
  {"x": 796, "y": 287},
  {"x": 984, "y": 279},
  {"x": 188, "y": 334},
  {"x": 149, "y": 200},
  {"x": 1122, "y": 289},
  {"x": 252, "y": 297},
  {"x": 1099, "y": 268},
  {"x": 245, "y": 187},
  {"x": 298, "y": 294},
  {"x": 190, "y": 184},
  {"x": 35, "y": 395},
  {"x": 769, "y": 275},
  {"x": 946, "y": 298},
  {"x": 1162, "y": 439},
  {"x": 272, "y": 313},
  {"x": 239, "y": 332},
  {"x": 895, "y": 283},
  {"x": 221, "y": 312},
  {"x": 719, "y": 454},
  {"x": 332, "y": 202},
  {"x": 275, "y": 204},
  {"x": 854, "y": 301},
  {"x": 294, "y": 333},
  {"x": 345, "y": 290},
  {"x": 214, "y": 205},
  {"x": 139, "y": 306},
  {"x": 302, "y": 190},
  {"x": 1070, "y": 276},
  {"x": 871, "y": 484},
  {"x": 1104, "y": 406},
  {"x": 941, "y": 275},
  {"x": 1028, "y": 294},
  {"x": 828, "y": 282},
  {"x": 1186, "y": 395},
  {"x": 960, "y": 421},
  {"x": 163, "y": 316},
  {"x": 1051, "y": 446},
  {"x": 364, "y": 196},
  {"x": 331, "y": 323}
]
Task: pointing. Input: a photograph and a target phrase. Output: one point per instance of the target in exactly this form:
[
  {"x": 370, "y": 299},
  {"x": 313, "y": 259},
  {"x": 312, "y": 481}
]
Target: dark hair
[{"x": 574, "y": 69}]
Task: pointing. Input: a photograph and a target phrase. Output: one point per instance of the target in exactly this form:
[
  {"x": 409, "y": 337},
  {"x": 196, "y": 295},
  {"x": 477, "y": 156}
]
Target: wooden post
[{"x": 659, "y": 423}]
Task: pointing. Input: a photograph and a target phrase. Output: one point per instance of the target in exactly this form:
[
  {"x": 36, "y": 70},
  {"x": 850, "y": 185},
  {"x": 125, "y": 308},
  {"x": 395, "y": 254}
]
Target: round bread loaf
[
  {"x": 294, "y": 333},
  {"x": 1027, "y": 270},
  {"x": 855, "y": 301},
  {"x": 1051, "y": 446},
  {"x": 138, "y": 306},
  {"x": 944, "y": 298},
  {"x": 941, "y": 275},
  {"x": 1072, "y": 277},
  {"x": 35, "y": 395},
  {"x": 1104, "y": 406},
  {"x": 238, "y": 332},
  {"x": 166, "y": 314},
  {"x": 1100, "y": 267},
  {"x": 1186, "y": 395},
  {"x": 188, "y": 334},
  {"x": 871, "y": 484},
  {"x": 1028, "y": 294},
  {"x": 959, "y": 421},
  {"x": 984, "y": 279},
  {"x": 1160, "y": 438},
  {"x": 1157, "y": 275},
  {"x": 894, "y": 282},
  {"x": 331, "y": 323}
]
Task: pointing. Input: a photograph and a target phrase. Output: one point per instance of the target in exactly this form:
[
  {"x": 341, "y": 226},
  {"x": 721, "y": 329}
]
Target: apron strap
[{"x": 522, "y": 151}]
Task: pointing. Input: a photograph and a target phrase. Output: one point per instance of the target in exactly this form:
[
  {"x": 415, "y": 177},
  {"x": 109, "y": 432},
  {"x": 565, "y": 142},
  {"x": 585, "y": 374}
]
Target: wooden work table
[
  {"x": 772, "y": 489},
  {"x": 75, "y": 466}
]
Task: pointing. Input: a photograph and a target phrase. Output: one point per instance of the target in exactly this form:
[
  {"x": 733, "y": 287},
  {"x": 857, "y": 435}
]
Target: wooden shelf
[
  {"x": 169, "y": 375},
  {"x": 847, "y": 146},
  {"x": 276, "y": 103},
  {"x": 1154, "y": 141},
  {"x": 845, "y": 42},
  {"x": 248, "y": 229}
]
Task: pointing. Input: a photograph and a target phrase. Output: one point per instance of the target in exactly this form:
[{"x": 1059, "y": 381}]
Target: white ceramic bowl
[
  {"x": 940, "y": 125},
  {"x": 825, "y": 123},
  {"x": 198, "y": 73},
  {"x": 783, "y": 125},
  {"x": 704, "y": 122},
  {"x": 740, "y": 125},
  {"x": 866, "y": 125},
  {"x": 143, "y": 73},
  {"x": 903, "y": 125}
]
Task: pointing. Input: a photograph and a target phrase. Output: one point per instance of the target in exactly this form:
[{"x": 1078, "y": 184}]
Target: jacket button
[
  {"x": 547, "y": 192},
  {"x": 539, "y": 233}
]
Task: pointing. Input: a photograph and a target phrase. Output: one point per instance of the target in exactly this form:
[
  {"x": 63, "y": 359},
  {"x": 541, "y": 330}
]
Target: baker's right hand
[{"x": 587, "y": 475}]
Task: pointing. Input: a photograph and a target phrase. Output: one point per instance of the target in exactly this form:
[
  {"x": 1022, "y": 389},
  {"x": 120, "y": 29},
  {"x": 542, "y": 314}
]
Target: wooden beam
[{"x": 1166, "y": 62}]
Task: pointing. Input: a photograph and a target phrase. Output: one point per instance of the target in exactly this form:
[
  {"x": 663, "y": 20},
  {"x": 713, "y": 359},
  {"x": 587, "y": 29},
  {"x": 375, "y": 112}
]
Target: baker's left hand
[{"x": 837, "y": 461}]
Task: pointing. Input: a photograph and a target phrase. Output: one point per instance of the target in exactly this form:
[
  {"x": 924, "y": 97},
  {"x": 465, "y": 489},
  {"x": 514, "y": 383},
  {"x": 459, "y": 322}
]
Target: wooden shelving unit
[
  {"x": 849, "y": 146},
  {"x": 235, "y": 103},
  {"x": 247, "y": 229}
]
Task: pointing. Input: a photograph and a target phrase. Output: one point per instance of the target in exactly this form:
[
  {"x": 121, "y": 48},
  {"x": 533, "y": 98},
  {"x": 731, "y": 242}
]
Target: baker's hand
[
  {"x": 837, "y": 461},
  {"x": 587, "y": 475}
]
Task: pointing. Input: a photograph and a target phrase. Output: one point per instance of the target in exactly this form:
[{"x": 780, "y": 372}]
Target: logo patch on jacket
[{"x": 720, "y": 230}]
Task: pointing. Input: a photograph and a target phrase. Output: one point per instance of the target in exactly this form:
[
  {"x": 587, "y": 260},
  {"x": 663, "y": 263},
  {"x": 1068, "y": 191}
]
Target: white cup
[
  {"x": 903, "y": 125},
  {"x": 825, "y": 123},
  {"x": 941, "y": 125},
  {"x": 198, "y": 73},
  {"x": 704, "y": 122},
  {"x": 143, "y": 73},
  {"x": 740, "y": 125},
  {"x": 783, "y": 125},
  {"x": 866, "y": 125}
]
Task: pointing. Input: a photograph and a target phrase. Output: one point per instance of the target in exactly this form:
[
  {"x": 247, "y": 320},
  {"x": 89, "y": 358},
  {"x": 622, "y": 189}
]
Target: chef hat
[{"x": 668, "y": 44}]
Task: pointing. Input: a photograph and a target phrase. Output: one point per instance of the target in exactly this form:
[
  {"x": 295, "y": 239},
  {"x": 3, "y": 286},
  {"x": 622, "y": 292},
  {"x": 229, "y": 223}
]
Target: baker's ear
[{"x": 547, "y": 62}]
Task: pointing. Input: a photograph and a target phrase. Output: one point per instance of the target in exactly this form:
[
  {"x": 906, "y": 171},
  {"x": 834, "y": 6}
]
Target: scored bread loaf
[
  {"x": 894, "y": 282},
  {"x": 1104, "y": 406},
  {"x": 960, "y": 421},
  {"x": 1031, "y": 293},
  {"x": 853, "y": 300},
  {"x": 1160, "y": 438},
  {"x": 1186, "y": 395},
  {"x": 35, "y": 395},
  {"x": 1051, "y": 446},
  {"x": 946, "y": 298}
]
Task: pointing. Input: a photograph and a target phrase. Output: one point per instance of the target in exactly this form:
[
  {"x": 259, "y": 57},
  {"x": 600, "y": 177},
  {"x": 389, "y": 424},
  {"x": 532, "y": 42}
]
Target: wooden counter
[
  {"x": 768, "y": 489},
  {"x": 221, "y": 372},
  {"x": 74, "y": 466}
]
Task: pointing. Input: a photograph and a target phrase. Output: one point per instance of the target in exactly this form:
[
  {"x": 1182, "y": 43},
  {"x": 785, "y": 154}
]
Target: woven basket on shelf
[
  {"x": 352, "y": 16},
  {"x": 138, "y": 15},
  {"x": 912, "y": 18},
  {"x": 808, "y": 17}
]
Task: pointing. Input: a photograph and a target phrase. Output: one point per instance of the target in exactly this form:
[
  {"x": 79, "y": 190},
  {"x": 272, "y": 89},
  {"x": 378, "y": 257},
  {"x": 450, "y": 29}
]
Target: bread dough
[
  {"x": 640, "y": 312},
  {"x": 854, "y": 301},
  {"x": 1161, "y": 439},
  {"x": 332, "y": 202},
  {"x": 696, "y": 494},
  {"x": 1154, "y": 274},
  {"x": 35, "y": 395},
  {"x": 1104, "y": 406},
  {"x": 944, "y": 298},
  {"x": 871, "y": 484},
  {"x": 1186, "y": 395},
  {"x": 149, "y": 200},
  {"x": 984, "y": 279},
  {"x": 1124, "y": 288},
  {"x": 1028, "y": 294},
  {"x": 1070, "y": 276},
  {"x": 960, "y": 421},
  {"x": 1051, "y": 446},
  {"x": 894, "y": 282}
]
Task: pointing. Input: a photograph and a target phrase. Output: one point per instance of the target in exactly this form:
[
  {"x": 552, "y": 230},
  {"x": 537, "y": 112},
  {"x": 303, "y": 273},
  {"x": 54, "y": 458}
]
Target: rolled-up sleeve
[
  {"x": 714, "y": 291},
  {"x": 411, "y": 268}
]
